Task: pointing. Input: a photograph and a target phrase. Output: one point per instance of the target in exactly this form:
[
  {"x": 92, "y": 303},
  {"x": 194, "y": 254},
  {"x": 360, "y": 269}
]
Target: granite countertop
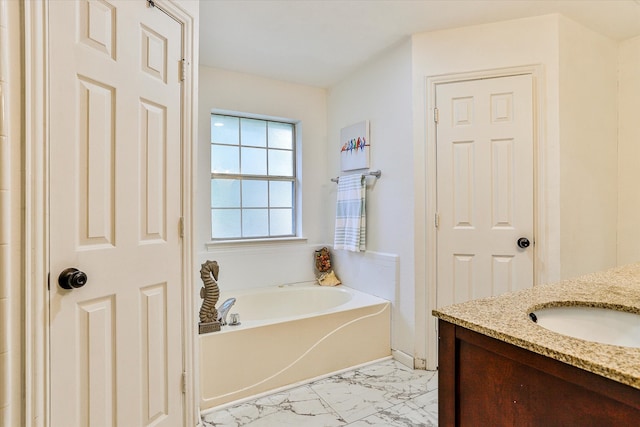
[{"x": 506, "y": 318}]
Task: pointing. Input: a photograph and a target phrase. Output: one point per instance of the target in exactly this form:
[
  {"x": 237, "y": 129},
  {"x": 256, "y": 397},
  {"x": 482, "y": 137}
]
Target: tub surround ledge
[{"x": 506, "y": 318}]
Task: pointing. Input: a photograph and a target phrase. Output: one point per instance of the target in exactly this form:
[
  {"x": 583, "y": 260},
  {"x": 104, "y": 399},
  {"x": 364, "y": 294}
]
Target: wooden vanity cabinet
[{"x": 487, "y": 382}]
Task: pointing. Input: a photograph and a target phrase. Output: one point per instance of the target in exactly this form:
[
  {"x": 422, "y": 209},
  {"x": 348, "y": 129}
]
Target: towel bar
[{"x": 377, "y": 174}]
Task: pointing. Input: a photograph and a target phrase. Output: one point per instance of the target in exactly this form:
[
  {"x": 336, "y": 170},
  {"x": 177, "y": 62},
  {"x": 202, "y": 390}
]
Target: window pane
[
  {"x": 224, "y": 130},
  {"x": 225, "y": 193},
  {"x": 254, "y": 194},
  {"x": 225, "y": 223},
  {"x": 255, "y": 223},
  {"x": 246, "y": 154},
  {"x": 281, "y": 222},
  {"x": 280, "y": 163},
  {"x": 224, "y": 159},
  {"x": 254, "y": 132},
  {"x": 281, "y": 194},
  {"x": 254, "y": 161},
  {"x": 281, "y": 135}
]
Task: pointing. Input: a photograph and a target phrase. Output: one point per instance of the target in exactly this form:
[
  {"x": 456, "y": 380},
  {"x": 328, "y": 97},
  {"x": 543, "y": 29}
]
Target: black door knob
[
  {"x": 523, "y": 243},
  {"x": 72, "y": 278}
]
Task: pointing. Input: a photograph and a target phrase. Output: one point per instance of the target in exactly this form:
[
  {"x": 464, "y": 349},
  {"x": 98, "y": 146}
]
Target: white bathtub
[{"x": 290, "y": 334}]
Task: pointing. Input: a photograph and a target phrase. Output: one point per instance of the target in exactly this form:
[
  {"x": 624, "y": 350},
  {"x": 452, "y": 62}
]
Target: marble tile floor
[{"x": 384, "y": 394}]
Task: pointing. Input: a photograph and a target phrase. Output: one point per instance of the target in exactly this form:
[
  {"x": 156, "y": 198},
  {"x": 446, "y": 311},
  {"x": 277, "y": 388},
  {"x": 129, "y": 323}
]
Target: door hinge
[
  {"x": 181, "y": 227},
  {"x": 436, "y": 115},
  {"x": 49, "y": 281},
  {"x": 184, "y": 382},
  {"x": 183, "y": 69},
  {"x": 436, "y": 220}
]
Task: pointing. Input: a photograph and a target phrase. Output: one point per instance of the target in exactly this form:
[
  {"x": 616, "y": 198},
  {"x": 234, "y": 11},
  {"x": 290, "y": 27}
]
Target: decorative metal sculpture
[{"x": 210, "y": 294}]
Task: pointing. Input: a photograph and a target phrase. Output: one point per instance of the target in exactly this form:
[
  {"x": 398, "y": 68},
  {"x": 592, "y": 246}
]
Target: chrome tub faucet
[{"x": 224, "y": 310}]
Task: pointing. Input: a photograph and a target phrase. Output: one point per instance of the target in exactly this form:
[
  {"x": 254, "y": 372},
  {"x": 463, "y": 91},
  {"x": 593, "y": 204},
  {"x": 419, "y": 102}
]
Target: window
[{"x": 253, "y": 177}]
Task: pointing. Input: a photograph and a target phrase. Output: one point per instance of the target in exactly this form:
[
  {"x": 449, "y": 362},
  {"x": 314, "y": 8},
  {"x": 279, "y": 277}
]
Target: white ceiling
[{"x": 318, "y": 42}]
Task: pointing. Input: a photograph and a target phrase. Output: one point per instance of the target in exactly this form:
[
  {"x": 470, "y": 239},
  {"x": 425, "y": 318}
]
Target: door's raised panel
[
  {"x": 153, "y": 163},
  {"x": 95, "y": 344},
  {"x": 502, "y": 108},
  {"x": 463, "y": 161},
  {"x": 96, "y": 169},
  {"x": 153, "y": 310},
  {"x": 501, "y": 274},
  {"x": 153, "y": 53},
  {"x": 462, "y": 109},
  {"x": 116, "y": 176},
  {"x": 463, "y": 271},
  {"x": 97, "y": 27},
  {"x": 502, "y": 185}
]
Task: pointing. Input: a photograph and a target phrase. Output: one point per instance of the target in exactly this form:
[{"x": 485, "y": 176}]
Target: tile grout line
[{"x": 329, "y": 405}]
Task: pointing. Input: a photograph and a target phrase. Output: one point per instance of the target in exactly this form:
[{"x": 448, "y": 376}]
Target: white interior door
[
  {"x": 484, "y": 187},
  {"x": 115, "y": 206}
]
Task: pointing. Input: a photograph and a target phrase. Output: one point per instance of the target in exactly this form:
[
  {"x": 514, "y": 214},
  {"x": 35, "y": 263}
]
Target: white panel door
[
  {"x": 115, "y": 206},
  {"x": 484, "y": 187}
]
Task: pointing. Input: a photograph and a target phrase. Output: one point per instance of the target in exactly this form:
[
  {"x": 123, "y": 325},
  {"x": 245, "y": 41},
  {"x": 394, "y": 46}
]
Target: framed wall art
[{"x": 355, "y": 146}]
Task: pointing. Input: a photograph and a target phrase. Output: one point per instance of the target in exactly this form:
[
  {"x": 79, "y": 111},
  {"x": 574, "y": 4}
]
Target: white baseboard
[
  {"x": 420, "y": 364},
  {"x": 403, "y": 358}
]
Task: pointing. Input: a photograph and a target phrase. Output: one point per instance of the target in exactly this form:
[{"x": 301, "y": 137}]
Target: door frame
[
  {"x": 35, "y": 331},
  {"x": 539, "y": 201}
]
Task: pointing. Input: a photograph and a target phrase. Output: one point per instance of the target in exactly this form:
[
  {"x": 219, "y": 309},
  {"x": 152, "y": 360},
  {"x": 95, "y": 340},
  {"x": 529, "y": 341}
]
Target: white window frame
[{"x": 297, "y": 196}]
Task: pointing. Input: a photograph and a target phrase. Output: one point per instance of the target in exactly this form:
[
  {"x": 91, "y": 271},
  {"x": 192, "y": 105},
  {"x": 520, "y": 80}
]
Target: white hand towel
[{"x": 351, "y": 224}]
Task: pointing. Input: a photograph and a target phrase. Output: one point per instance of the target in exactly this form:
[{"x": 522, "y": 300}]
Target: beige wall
[
  {"x": 521, "y": 42},
  {"x": 629, "y": 152},
  {"x": 10, "y": 213},
  {"x": 547, "y": 40},
  {"x": 588, "y": 150},
  {"x": 578, "y": 127},
  {"x": 381, "y": 92},
  {"x": 576, "y": 154},
  {"x": 516, "y": 43},
  {"x": 5, "y": 216},
  {"x": 283, "y": 262}
]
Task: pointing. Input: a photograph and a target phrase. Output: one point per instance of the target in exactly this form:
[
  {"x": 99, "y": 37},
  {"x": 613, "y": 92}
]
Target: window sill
[{"x": 253, "y": 243}]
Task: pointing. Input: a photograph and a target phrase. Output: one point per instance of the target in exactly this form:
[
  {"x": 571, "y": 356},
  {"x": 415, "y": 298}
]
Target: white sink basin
[{"x": 603, "y": 325}]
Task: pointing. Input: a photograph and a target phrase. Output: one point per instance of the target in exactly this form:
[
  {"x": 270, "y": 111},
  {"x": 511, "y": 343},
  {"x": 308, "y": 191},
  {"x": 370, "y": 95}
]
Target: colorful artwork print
[{"x": 355, "y": 146}]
